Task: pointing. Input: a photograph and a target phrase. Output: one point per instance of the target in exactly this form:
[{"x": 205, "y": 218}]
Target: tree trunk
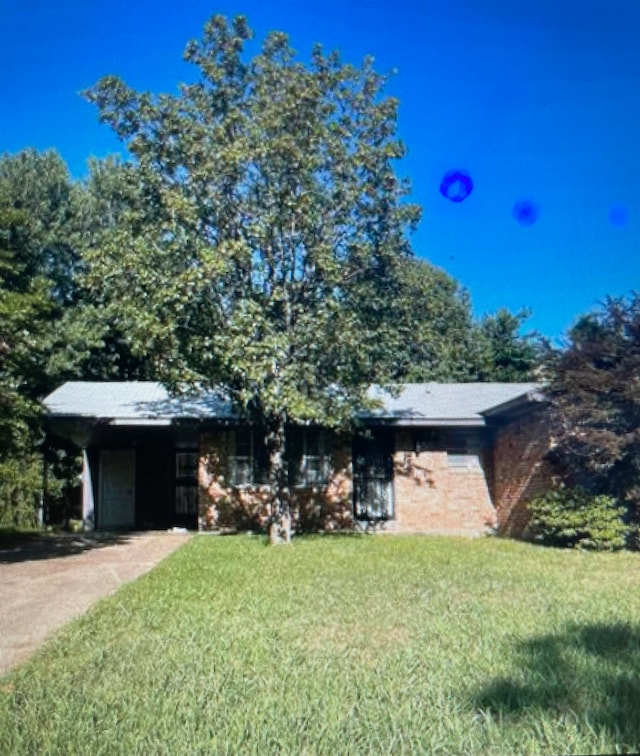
[{"x": 280, "y": 520}]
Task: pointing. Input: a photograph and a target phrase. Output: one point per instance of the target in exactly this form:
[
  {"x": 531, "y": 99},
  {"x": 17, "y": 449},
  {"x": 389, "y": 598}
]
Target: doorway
[
  {"x": 117, "y": 489},
  {"x": 373, "y": 476}
]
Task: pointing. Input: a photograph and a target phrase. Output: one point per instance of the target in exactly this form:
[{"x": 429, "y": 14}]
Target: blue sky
[{"x": 536, "y": 101}]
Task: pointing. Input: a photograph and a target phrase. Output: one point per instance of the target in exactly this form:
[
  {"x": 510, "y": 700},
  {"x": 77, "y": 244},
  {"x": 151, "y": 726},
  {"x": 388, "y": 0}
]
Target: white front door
[{"x": 117, "y": 489}]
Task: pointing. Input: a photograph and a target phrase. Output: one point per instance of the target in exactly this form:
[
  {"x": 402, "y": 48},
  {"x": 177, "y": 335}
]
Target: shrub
[
  {"x": 20, "y": 490},
  {"x": 574, "y": 517}
]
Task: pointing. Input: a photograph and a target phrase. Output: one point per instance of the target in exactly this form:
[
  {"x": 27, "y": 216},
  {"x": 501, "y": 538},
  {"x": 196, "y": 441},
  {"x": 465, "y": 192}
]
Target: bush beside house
[{"x": 574, "y": 517}]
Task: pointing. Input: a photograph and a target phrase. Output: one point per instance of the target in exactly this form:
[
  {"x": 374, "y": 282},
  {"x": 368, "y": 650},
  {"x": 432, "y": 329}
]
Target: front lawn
[{"x": 344, "y": 645}]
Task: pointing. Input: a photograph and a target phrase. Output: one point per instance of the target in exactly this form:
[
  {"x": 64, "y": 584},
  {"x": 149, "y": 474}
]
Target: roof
[
  {"x": 149, "y": 403},
  {"x": 133, "y": 402},
  {"x": 449, "y": 403}
]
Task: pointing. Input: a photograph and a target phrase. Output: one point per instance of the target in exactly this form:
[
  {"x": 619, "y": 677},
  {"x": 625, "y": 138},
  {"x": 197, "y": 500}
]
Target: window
[
  {"x": 464, "y": 449},
  {"x": 246, "y": 463},
  {"x": 186, "y": 499},
  {"x": 187, "y": 465},
  {"x": 463, "y": 461},
  {"x": 310, "y": 460},
  {"x": 307, "y": 451}
]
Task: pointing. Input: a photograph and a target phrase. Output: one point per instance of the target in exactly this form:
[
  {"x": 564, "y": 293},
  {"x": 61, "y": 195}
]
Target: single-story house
[{"x": 460, "y": 458}]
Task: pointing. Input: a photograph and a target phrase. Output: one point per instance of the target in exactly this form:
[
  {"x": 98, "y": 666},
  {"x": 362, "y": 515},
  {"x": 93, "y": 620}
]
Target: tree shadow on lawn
[
  {"x": 37, "y": 546},
  {"x": 591, "y": 671}
]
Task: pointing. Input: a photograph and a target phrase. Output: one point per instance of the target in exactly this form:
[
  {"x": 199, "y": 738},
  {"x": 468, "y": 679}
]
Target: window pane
[
  {"x": 243, "y": 445},
  {"x": 186, "y": 500},
  {"x": 315, "y": 470},
  {"x": 311, "y": 472},
  {"x": 463, "y": 461},
  {"x": 315, "y": 462},
  {"x": 241, "y": 461},
  {"x": 241, "y": 471},
  {"x": 187, "y": 465}
]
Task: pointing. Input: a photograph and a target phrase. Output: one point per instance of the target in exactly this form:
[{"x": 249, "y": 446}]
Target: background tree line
[{"x": 50, "y": 330}]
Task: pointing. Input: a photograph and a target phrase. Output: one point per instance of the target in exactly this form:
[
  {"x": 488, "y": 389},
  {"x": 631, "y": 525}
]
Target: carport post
[
  {"x": 44, "y": 492},
  {"x": 88, "y": 508}
]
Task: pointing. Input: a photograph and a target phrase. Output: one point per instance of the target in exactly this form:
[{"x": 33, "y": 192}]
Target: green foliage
[
  {"x": 36, "y": 202},
  {"x": 20, "y": 490},
  {"x": 263, "y": 245},
  {"x": 435, "y": 336},
  {"x": 267, "y": 231},
  {"x": 506, "y": 354},
  {"x": 35, "y": 286},
  {"x": 49, "y": 331},
  {"x": 573, "y": 517},
  {"x": 595, "y": 393},
  {"x": 37, "y": 268}
]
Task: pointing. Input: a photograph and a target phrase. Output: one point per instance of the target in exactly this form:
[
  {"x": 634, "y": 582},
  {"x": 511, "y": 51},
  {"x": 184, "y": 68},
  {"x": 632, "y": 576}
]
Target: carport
[{"x": 139, "y": 452}]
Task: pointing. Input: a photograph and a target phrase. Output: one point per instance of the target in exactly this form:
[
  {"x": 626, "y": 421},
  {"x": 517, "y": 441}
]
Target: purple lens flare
[
  {"x": 525, "y": 212},
  {"x": 456, "y": 186}
]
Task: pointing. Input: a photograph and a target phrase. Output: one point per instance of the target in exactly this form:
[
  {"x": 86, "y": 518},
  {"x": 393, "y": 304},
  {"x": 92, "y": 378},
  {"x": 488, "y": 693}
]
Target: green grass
[{"x": 344, "y": 645}]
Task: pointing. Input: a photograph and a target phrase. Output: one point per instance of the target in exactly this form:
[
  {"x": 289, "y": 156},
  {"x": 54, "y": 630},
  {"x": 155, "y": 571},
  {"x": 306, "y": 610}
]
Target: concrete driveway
[{"x": 47, "y": 582}]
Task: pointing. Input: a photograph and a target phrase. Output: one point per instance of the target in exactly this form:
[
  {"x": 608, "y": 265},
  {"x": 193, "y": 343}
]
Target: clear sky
[{"x": 538, "y": 102}]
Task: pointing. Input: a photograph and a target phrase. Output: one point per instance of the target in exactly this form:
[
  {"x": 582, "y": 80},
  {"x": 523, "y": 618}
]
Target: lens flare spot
[
  {"x": 456, "y": 186},
  {"x": 525, "y": 212}
]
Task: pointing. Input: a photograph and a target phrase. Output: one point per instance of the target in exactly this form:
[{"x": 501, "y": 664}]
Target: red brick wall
[
  {"x": 431, "y": 496},
  {"x": 520, "y": 472},
  {"x": 222, "y": 506}
]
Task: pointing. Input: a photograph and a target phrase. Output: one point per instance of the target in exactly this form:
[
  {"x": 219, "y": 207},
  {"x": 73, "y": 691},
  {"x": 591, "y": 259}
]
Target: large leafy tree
[
  {"x": 265, "y": 246},
  {"x": 37, "y": 199},
  {"x": 37, "y": 267},
  {"x": 23, "y": 306},
  {"x": 594, "y": 385}
]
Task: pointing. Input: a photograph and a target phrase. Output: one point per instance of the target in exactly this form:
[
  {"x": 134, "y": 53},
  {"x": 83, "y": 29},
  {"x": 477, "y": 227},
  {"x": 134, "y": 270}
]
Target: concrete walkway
[{"x": 47, "y": 582}]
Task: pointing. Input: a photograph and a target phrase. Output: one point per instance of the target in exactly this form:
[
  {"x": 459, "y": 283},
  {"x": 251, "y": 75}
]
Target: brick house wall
[
  {"x": 432, "y": 493},
  {"x": 520, "y": 471},
  {"x": 433, "y": 496},
  {"x": 223, "y": 506}
]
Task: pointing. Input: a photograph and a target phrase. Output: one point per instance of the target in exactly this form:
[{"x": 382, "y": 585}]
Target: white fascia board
[
  {"x": 141, "y": 421},
  {"x": 447, "y": 422}
]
